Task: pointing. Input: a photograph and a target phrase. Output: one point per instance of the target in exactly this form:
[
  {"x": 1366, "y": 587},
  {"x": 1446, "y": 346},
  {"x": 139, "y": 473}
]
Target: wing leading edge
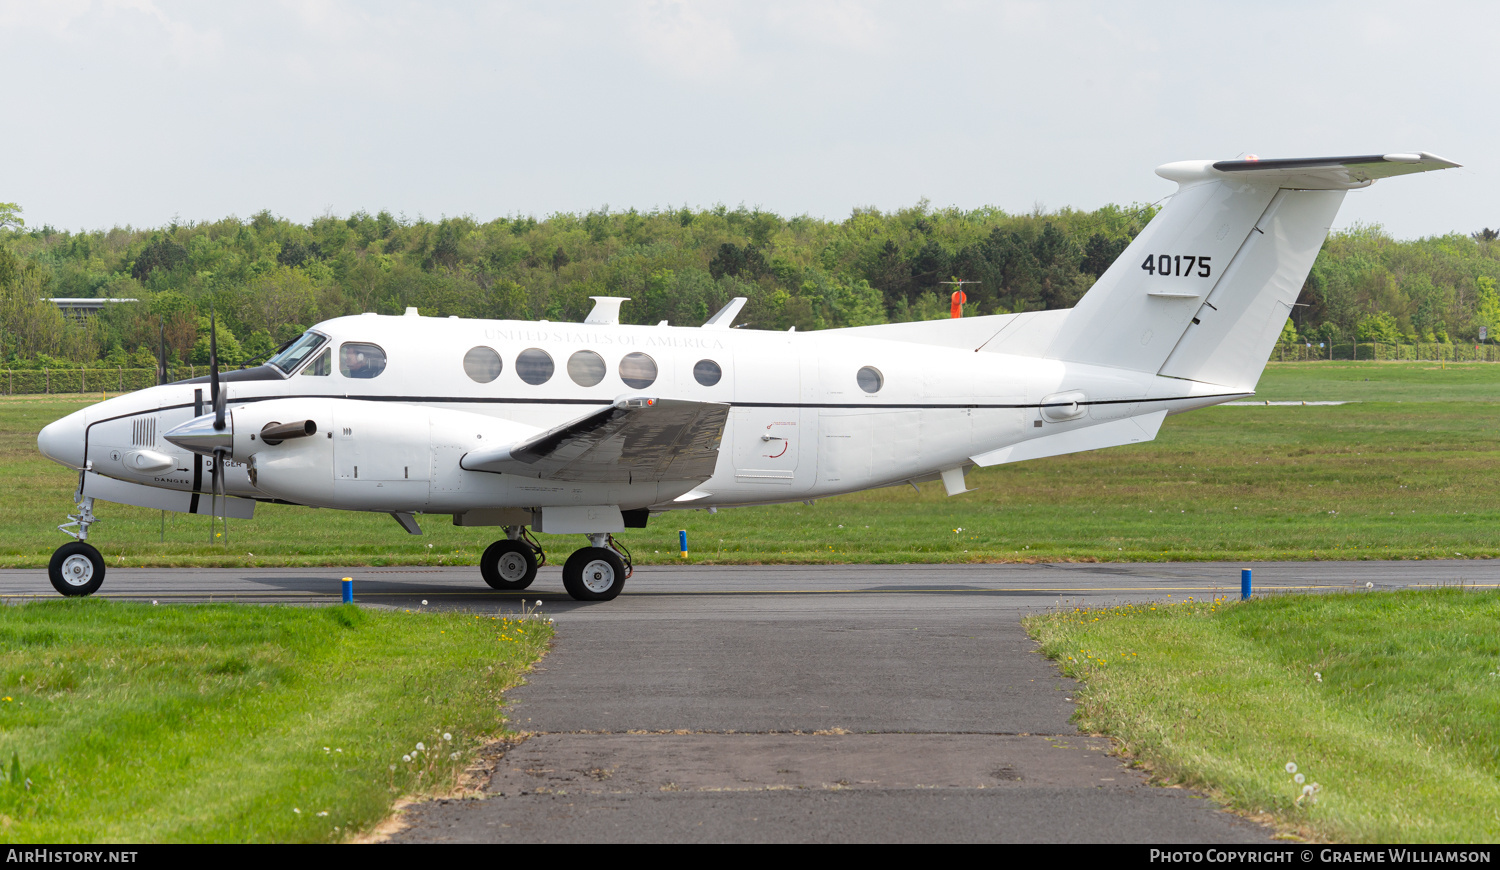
[{"x": 637, "y": 439}]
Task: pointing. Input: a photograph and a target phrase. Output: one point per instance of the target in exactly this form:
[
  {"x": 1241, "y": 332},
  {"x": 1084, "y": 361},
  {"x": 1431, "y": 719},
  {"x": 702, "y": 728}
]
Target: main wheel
[
  {"x": 594, "y": 574},
  {"x": 76, "y": 569},
  {"x": 508, "y": 565}
]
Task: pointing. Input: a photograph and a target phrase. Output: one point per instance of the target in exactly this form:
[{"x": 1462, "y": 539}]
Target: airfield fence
[
  {"x": 97, "y": 379},
  {"x": 1380, "y": 350},
  {"x": 117, "y": 379}
]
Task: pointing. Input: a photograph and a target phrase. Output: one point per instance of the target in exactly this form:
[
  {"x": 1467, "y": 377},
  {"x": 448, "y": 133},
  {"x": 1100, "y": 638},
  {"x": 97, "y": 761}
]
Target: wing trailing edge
[{"x": 637, "y": 439}]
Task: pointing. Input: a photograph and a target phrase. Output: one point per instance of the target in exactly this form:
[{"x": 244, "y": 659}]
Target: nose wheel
[{"x": 76, "y": 569}]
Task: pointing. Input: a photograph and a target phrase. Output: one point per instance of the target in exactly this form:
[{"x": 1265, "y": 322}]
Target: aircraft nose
[{"x": 62, "y": 441}]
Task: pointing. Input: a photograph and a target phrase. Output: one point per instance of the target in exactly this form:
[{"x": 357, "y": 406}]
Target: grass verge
[
  {"x": 128, "y": 722},
  {"x": 1390, "y": 702}
]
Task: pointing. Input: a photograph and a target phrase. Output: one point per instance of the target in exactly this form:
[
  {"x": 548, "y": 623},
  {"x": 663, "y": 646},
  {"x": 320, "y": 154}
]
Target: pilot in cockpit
[{"x": 356, "y": 365}]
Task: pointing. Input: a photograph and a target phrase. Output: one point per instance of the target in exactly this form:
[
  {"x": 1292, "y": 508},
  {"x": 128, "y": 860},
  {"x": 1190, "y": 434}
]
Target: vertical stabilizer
[
  {"x": 1134, "y": 315},
  {"x": 1233, "y": 333},
  {"x": 1203, "y": 291}
]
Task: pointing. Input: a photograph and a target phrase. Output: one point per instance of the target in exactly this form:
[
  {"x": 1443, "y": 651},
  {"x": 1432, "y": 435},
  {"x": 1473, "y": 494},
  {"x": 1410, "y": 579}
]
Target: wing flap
[{"x": 636, "y": 439}]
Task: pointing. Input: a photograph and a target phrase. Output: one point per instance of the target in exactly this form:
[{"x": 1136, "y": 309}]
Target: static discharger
[{"x": 682, "y": 541}]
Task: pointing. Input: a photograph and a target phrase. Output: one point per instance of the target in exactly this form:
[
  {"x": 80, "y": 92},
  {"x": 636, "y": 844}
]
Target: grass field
[
  {"x": 126, "y": 722},
  {"x": 1404, "y": 472},
  {"x": 1389, "y": 702}
]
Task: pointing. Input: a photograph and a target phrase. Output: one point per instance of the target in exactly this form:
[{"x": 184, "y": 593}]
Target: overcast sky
[{"x": 136, "y": 112}]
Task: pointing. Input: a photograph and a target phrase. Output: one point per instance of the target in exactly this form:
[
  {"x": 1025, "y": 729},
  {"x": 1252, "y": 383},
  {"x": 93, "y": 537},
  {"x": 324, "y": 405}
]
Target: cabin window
[
  {"x": 359, "y": 360},
  {"x": 638, "y": 370},
  {"x": 482, "y": 365},
  {"x": 321, "y": 366},
  {"x": 870, "y": 380},
  {"x": 295, "y": 352},
  {"x": 586, "y": 368},
  {"x": 707, "y": 372},
  {"x": 535, "y": 366}
]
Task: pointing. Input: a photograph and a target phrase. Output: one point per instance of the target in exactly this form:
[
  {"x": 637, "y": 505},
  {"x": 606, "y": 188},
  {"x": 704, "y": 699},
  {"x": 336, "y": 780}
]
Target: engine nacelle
[
  {"x": 360, "y": 455},
  {"x": 297, "y": 470}
]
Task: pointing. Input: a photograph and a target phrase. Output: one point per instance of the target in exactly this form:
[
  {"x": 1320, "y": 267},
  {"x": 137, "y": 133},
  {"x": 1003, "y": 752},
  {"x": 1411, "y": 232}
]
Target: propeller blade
[
  {"x": 161, "y": 358},
  {"x": 220, "y": 495},
  {"x": 215, "y": 394}
]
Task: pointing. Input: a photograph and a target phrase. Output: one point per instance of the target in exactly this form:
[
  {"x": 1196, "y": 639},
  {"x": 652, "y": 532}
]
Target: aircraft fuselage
[{"x": 803, "y": 421}]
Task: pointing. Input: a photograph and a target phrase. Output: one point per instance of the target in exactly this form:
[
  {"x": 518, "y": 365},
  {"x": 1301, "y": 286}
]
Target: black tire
[
  {"x": 594, "y": 574},
  {"x": 508, "y": 565},
  {"x": 76, "y": 569}
]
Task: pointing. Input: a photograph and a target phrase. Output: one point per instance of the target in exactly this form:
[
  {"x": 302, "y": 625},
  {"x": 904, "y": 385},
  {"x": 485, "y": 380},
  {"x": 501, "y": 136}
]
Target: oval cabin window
[
  {"x": 870, "y": 380},
  {"x": 638, "y": 370},
  {"x": 358, "y": 360},
  {"x": 707, "y": 372},
  {"x": 482, "y": 365},
  {"x": 535, "y": 366},
  {"x": 586, "y": 368}
]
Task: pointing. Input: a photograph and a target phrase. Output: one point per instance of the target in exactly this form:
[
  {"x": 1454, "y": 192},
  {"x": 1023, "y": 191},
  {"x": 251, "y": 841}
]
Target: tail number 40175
[{"x": 1169, "y": 265}]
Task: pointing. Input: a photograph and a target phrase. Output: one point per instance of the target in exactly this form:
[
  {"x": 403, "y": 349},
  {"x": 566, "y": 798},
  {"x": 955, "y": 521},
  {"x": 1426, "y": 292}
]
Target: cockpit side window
[
  {"x": 360, "y": 360},
  {"x": 288, "y": 359},
  {"x": 322, "y": 365}
]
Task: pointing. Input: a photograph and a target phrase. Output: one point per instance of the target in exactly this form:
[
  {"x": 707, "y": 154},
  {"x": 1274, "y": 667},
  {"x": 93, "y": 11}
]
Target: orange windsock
[{"x": 958, "y": 303}]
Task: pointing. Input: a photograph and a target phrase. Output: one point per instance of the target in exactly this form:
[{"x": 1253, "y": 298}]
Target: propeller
[
  {"x": 219, "y": 399},
  {"x": 215, "y": 394},
  {"x": 161, "y": 358}
]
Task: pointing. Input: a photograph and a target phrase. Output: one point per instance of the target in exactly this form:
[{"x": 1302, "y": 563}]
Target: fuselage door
[{"x": 768, "y": 422}]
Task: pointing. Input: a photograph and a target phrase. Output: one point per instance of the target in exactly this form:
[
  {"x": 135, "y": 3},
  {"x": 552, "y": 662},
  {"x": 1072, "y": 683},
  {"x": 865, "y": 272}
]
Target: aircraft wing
[{"x": 636, "y": 438}]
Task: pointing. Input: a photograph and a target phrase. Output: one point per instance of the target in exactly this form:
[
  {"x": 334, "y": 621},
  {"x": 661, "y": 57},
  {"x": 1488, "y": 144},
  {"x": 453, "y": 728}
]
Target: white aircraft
[{"x": 592, "y": 428}]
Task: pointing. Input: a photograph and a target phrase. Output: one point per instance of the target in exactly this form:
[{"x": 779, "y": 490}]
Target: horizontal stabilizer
[
  {"x": 1307, "y": 173},
  {"x": 635, "y": 440}
]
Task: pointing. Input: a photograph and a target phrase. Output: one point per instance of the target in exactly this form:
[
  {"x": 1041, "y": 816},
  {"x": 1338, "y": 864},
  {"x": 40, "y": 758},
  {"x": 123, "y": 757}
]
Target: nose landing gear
[{"x": 77, "y": 568}]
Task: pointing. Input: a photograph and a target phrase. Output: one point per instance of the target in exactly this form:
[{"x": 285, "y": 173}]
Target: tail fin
[{"x": 1203, "y": 292}]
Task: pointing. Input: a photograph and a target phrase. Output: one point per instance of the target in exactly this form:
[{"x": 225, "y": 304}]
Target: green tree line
[{"x": 268, "y": 278}]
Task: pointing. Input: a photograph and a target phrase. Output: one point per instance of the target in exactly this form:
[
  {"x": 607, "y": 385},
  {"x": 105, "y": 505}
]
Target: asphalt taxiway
[{"x": 801, "y": 703}]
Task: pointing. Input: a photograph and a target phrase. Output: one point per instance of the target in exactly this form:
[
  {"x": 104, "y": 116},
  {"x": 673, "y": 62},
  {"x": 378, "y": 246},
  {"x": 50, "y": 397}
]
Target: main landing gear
[
  {"x": 77, "y": 568},
  {"x": 511, "y": 564},
  {"x": 593, "y": 573},
  {"x": 598, "y": 572}
]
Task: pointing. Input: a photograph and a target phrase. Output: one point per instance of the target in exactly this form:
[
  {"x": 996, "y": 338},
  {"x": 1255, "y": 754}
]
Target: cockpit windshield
[{"x": 289, "y": 359}]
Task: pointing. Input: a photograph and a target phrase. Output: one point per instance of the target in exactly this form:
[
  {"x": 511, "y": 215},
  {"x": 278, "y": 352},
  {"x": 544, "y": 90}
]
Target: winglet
[{"x": 726, "y": 315}]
